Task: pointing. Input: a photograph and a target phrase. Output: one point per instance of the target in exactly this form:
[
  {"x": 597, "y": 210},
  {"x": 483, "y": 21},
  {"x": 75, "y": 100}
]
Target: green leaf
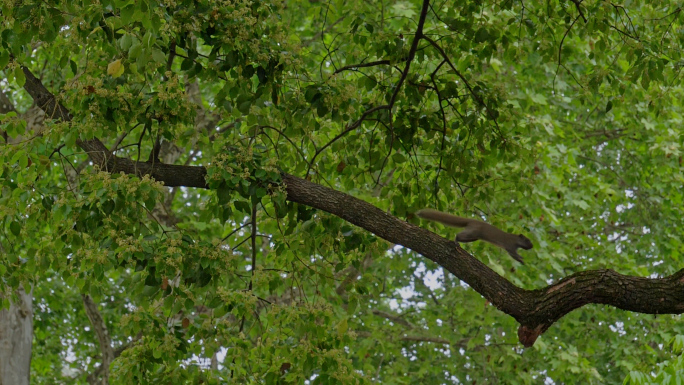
[
  {"x": 243, "y": 206},
  {"x": 15, "y": 228},
  {"x": 150, "y": 203},
  {"x": 481, "y": 35},
  {"x": 19, "y": 76},
  {"x": 158, "y": 56},
  {"x": 224, "y": 194},
  {"x": 4, "y": 59}
]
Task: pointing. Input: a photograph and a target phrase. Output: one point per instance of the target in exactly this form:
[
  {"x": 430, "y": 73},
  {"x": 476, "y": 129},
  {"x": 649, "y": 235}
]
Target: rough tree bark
[
  {"x": 16, "y": 323},
  {"x": 16, "y": 337},
  {"x": 535, "y": 310}
]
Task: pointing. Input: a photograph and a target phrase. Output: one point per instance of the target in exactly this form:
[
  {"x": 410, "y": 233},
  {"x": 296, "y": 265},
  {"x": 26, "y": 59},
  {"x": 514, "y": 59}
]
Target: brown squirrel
[{"x": 475, "y": 230}]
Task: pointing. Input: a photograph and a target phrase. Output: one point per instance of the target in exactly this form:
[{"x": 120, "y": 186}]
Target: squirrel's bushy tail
[{"x": 444, "y": 218}]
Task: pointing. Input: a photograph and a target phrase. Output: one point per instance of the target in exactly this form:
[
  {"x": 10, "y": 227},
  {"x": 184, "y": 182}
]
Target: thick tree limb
[
  {"x": 190, "y": 176},
  {"x": 535, "y": 310}
]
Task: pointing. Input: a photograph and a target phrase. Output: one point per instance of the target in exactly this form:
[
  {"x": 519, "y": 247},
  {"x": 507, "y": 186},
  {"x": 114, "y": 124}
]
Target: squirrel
[{"x": 475, "y": 230}]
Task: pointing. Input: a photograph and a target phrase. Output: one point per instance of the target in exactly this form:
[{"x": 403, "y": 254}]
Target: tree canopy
[{"x": 204, "y": 191}]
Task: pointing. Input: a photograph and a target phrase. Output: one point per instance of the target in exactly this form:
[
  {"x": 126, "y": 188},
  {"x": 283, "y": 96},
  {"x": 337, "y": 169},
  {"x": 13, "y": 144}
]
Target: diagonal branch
[
  {"x": 393, "y": 317},
  {"x": 362, "y": 65},
  {"x": 101, "y": 156},
  {"x": 412, "y": 51},
  {"x": 103, "y": 337},
  {"x": 578, "y": 5},
  {"x": 458, "y": 73},
  {"x": 535, "y": 310},
  {"x": 348, "y": 129},
  {"x": 404, "y": 73}
]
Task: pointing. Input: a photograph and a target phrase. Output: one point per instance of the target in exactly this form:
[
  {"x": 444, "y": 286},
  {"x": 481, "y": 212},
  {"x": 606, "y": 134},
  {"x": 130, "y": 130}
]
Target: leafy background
[{"x": 561, "y": 121}]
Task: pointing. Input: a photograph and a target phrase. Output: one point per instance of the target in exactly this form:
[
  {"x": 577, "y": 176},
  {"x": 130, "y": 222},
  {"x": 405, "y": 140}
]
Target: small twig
[
  {"x": 464, "y": 80},
  {"x": 241, "y": 242},
  {"x": 362, "y": 65},
  {"x": 233, "y": 232},
  {"x": 349, "y": 128},
  {"x": 254, "y": 250},
  {"x": 624, "y": 33},
  {"x": 560, "y": 50},
  {"x": 56, "y": 150},
  {"x": 320, "y": 33},
  {"x": 579, "y": 9},
  {"x": 412, "y": 51}
]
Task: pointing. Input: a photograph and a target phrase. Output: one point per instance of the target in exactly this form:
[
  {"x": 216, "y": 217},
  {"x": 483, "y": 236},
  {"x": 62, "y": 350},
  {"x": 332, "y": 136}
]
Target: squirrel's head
[{"x": 524, "y": 242}]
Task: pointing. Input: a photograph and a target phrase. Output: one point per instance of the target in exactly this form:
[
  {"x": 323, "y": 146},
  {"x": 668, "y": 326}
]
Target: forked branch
[{"x": 535, "y": 310}]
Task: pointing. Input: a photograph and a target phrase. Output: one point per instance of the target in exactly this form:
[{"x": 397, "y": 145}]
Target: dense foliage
[{"x": 559, "y": 120}]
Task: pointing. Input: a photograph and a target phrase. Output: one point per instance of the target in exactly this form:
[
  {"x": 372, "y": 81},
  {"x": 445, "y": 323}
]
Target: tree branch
[
  {"x": 362, "y": 65},
  {"x": 412, "y": 51},
  {"x": 393, "y": 317},
  {"x": 458, "y": 73},
  {"x": 97, "y": 373},
  {"x": 102, "y": 333},
  {"x": 535, "y": 310}
]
